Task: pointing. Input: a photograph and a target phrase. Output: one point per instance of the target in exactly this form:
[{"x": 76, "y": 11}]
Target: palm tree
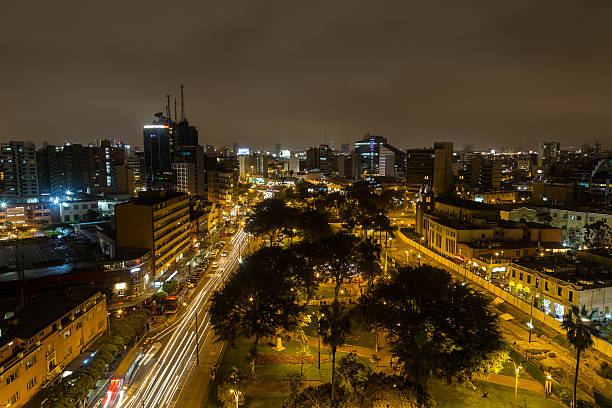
[
  {"x": 334, "y": 326},
  {"x": 580, "y": 331}
]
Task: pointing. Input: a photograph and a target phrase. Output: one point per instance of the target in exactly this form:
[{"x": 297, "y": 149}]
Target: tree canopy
[
  {"x": 257, "y": 301},
  {"x": 434, "y": 325}
]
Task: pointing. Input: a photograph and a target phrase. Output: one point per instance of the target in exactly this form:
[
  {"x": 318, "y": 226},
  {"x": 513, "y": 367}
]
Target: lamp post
[
  {"x": 419, "y": 257},
  {"x": 530, "y": 324},
  {"x": 236, "y": 394},
  {"x": 517, "y": 370},
  {"x": 319, "y": 316}
]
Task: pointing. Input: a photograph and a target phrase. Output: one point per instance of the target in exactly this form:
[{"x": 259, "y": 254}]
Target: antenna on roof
[
  {"x": 175, "y": 115},
  {"x": 168, "y": 114},
  {"x": 182, "y": 105}
]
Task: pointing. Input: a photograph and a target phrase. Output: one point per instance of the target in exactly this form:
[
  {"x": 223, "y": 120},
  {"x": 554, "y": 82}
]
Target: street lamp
[
  {"x": 419, "y": 257},
  {"x": 517, "y": 370},
  {"x": 236, "y": 394},
  {"x": 530, "y": 324}
]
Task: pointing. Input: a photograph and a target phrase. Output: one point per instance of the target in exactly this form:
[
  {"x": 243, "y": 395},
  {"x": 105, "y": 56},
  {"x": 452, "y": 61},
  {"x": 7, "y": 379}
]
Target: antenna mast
[
  {"x": 175, "y": 115},
  {"x": 168, "y": 113},
  {"x": 182, "y": 105}
]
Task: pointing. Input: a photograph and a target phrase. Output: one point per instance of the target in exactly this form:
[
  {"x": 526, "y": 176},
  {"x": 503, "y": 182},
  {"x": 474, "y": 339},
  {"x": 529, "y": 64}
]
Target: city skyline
[{"x": 272, "y": 73}]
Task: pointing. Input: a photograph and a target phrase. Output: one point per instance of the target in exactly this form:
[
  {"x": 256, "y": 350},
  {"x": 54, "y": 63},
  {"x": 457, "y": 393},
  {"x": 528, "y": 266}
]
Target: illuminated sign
[
  {"x": 243, "y": 151},
  {"x": 499, "y": 269},
  {"x": 156, "y": 127},
  {"x": 459, "y": 257},
  {"x": 286, "y": 154},
  {"x": 134, "y": 270},
  {"x": 120, "y": 286}
]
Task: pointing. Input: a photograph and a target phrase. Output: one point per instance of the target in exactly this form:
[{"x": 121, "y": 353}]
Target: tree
[
  {"x": 434, "y": 325},
  {"x": 353, "y": 373},
  {"x": 312, "y": 224},
  {"x": 92, "y": 214},
  {"x": 232, "y": 389},
  {"x": 260, "y": 299},
  {"x": 580, "y": 331},
  {"x": 334, "y": 326},
  {"x": 598, "y": 234},
  {"x": 304, "y": 348},
  {"x": 337, "y": 256},
  {"x": 368, "y": 254},
  {"x": 270, "y": 217}
]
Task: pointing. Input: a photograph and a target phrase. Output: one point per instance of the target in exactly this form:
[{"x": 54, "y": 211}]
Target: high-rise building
[
  {"x": 76, "y": 167},
  {"x": 50, "y": 167},
  {"x": 184, "y": 134},
  {"x": 18, "y": 174},
  {"x": 223, "y": 186},
  {"x": 188, "y": 166},
  {"x": 419, "y": 170},
  {"x": 159, "y": 150},
  {"x": 444, "y": 181},
  {"x": 548, "y": 152},
  {"x": 368, "y": 151},
  {"x": 321, "y": 158},
  {"x": 345, "y": 148},
  {"x": 155, "y": 220},
  {"x": 107, "y": 170}
]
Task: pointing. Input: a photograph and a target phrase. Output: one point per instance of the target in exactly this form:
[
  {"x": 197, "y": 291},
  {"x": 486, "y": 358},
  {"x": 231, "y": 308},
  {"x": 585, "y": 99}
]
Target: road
[{"x": 157, "y": 382}]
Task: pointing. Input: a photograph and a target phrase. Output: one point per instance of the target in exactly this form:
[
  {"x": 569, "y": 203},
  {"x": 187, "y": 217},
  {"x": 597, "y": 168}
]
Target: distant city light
[{"x": 156, "y": 127}]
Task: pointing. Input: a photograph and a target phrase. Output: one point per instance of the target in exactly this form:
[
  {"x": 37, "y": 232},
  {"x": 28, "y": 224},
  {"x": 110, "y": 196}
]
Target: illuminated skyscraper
[{"x": 159, "y": 149}]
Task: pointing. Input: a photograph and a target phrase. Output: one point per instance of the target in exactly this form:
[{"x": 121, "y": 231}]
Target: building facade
[
  {"x": 18, "y": 173},
  {"x": 44, "y": 338},
  {"x": 158, "y": 221}
]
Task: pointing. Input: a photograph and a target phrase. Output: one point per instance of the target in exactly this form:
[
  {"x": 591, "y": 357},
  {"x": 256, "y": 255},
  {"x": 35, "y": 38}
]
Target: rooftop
[
  {"x": 41, "y": 309},
  {"x": 467, "y": 204},
  {"x": 570, "y": 269},
  {"x": 156, "y": 197}
]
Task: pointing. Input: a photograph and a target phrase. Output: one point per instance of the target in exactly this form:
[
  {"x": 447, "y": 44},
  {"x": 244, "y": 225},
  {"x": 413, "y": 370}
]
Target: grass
[
  {"x": 270, "y": 401},
  {"x": 499, "y": 396},
  {"x": 325, "y": 292},
  {"x": 360, "y": 336},
  {"x": 236, "y": 357}
]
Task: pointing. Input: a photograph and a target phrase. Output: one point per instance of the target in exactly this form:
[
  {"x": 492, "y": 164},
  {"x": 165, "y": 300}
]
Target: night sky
[{"x": 492, "y": 73}]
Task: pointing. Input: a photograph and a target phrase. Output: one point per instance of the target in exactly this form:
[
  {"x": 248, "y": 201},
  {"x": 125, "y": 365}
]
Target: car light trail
[{"x": 166, "y": 374}]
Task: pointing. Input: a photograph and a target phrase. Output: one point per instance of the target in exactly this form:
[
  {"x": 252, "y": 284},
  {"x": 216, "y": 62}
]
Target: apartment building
[
  {"x": 18, "y": 174},
  {"x": 223, "y": 186},
  {"x": 155, "y": 220},
  {"x": 573, "y": 222},
  {"x": 44, "y": 337}
]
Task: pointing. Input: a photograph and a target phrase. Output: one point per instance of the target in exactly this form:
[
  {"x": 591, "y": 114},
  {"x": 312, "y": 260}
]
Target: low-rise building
[
  {"x": 41, "y": 338},
  {"x": 556, "y": 283},
  {"x": 573, "y": 222}
]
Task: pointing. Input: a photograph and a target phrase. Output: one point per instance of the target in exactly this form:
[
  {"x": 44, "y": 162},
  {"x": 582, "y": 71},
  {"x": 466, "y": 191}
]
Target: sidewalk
[{"x": 524, "y": 384}]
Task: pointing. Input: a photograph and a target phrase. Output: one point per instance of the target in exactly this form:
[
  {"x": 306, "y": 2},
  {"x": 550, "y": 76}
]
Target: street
[{"x": 158, "y": 380}]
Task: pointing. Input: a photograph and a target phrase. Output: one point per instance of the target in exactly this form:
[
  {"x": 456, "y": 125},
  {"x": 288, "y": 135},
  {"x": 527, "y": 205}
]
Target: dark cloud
[{"x": 259, "y": 72}]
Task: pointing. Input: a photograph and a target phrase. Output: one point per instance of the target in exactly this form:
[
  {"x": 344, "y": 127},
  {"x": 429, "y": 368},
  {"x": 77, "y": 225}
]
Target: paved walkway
[{"x": 530, "y": 385}]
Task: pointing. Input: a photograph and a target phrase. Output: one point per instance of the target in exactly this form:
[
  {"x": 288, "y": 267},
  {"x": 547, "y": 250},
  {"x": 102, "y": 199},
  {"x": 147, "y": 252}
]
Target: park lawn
[
  {"x": 455, "y": 396},
  {"x": 325, "y": 292},
  {"x": 360, "y": 336},
  {"x": 236, "y": 357},
  {"x": 270, "y": 401}
]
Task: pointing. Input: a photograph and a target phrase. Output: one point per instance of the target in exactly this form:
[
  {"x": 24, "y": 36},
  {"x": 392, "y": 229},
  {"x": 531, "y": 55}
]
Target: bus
[{"x": 171, "y": 305}]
